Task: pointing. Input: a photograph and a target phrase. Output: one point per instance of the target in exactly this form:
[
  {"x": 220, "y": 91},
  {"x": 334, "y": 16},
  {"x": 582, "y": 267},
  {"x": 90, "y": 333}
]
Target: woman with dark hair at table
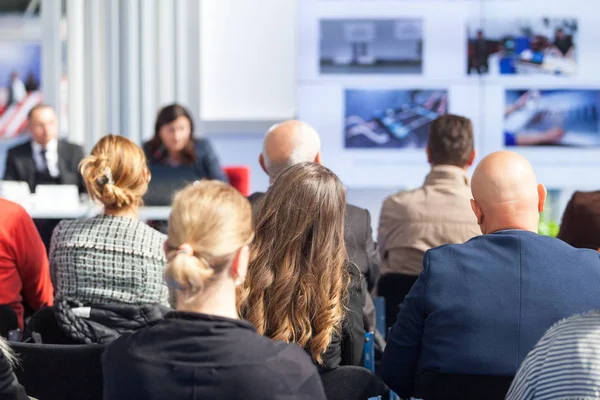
[{"x": 174, "y": 145}]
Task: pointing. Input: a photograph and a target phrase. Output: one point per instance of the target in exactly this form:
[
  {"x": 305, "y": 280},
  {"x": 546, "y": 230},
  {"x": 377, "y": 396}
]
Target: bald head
[
  {"x": 289, "y": 143},
  {"x": 506, "y": 194}
]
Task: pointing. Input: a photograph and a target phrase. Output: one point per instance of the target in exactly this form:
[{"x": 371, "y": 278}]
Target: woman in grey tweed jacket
[{"x": 111, "y": 259}]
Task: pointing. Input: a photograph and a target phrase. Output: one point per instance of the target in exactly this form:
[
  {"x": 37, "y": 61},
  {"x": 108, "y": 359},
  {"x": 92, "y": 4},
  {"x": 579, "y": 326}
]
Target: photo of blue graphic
[
  {"x": 371, "y": 46},
  {"x": 391, "y": 118},
  {"x": 552, "y": 118}
]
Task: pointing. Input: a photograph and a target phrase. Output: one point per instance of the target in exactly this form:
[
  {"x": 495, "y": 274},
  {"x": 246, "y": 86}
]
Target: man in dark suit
[
  {"x": 580, "y": 225},
  {"x": 478, "y": 308},
  {"x": 293, "y": 142},
  {"x": 45, "y": 160}
]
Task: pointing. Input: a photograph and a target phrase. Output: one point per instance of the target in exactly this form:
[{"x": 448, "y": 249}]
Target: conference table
[{"x": 87, "y": 210}]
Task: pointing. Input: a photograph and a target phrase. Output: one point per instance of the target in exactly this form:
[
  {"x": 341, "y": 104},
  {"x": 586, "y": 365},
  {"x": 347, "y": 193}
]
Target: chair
[
  {"x": 436, "y": 386},
  {"x": 8, "y": 320},
  {"x": 239, "y": 178},
  {"x": 352, "y": 383},
  {"x": 60, "y": 372}
]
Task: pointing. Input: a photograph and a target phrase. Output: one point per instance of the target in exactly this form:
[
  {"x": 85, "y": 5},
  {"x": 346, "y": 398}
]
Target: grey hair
[
  {"x": 306, "y": 148},
  {"x": 8, "y": 353}
]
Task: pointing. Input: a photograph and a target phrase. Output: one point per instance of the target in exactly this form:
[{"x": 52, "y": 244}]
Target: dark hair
[
  {"x": 166, "y": 115},
  {"x": 37, "y": 107},
  {"x": 450, "y": 140}
]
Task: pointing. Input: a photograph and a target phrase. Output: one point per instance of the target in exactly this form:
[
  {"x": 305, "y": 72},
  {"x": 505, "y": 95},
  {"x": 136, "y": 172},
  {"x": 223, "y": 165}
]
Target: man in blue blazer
[{"x": 478, "y": 308}]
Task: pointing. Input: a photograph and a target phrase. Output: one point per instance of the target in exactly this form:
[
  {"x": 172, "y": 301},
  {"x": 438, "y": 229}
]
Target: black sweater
[{"x": 190, "y": 356}]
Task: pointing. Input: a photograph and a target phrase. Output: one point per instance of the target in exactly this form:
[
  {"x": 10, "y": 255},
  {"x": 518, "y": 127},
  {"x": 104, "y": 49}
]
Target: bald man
[
  {"x": 293, "y": 142},
  {"x": 478, "y": 308}
]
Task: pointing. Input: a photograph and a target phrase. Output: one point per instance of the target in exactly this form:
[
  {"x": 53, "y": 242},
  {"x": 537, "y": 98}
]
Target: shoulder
[
  {"x": 356, "y": 212},
  {"x": 291, "y": 365},
  {"x": 401, "y": 200},
  {"x": 12, "y": 213},
  {"x": 70, "y": 146},
  {"x": 20, "y": 149},
  {"x": 202, "y": 145}
]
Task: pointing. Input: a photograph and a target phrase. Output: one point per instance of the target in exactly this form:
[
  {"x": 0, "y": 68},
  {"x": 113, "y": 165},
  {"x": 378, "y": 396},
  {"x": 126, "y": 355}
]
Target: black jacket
[
  {"x": 190, "y": 356},
  {"x": 20, "y": 165},
  {"x": 10, "y": 389},
  {"x": 207, "y": 164},
  {"x": 349, "y": 349},
  {"x": 102, "y": 324}
]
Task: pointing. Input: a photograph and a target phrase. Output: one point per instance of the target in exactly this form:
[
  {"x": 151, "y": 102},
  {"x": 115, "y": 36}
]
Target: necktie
[{"x": 45, "y": 169}]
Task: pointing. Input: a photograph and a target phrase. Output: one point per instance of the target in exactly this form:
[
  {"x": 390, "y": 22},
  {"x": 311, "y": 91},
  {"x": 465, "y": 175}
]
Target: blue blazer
[{"x": 480, "y": 307}]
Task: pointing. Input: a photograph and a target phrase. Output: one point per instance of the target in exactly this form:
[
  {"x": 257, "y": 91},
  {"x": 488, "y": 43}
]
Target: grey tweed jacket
[{"x": 108, "y": 260}]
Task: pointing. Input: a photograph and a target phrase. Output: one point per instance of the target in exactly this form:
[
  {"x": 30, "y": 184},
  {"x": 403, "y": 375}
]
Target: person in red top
[{"x": 24, "y": 269}]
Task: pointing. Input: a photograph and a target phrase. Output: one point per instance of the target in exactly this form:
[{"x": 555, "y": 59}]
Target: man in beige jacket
[{"x": 435, "y": 214}]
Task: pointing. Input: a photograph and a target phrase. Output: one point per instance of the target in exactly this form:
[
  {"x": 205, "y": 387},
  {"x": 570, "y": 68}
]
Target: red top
[{"x": 24, "y": 266}]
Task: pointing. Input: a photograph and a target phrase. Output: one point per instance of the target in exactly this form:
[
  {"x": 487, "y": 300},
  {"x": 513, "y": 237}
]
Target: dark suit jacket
[
  {"x": 207, "y": 164},
  {"x": 581, "y": 221},
  {"x": 20, "y": 165},
  {"x": 480, "y": 307}
]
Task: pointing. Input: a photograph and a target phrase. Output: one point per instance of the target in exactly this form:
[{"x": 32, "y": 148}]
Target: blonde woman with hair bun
[
  {"x": 108, "y": 270},
  {"x": 203, "y": 350}
]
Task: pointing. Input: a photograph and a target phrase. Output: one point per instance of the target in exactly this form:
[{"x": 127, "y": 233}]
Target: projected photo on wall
[
  {"x": 566, "y": 118},
  {"x": 545, "y": 46},
  {"x": 371, "y": 46},
  {"x": 20, "y": 71},
  {"x": 391, "y": 118}
]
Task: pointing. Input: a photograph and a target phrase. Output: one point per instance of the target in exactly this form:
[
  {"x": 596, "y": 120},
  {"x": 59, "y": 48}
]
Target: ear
[
  {"x": 261, "y": 161},
  {"x": 542, "y": 194},
  {"x": 318, "y": 159},
  {"x": 428, "y": 155},
  {"x": 471, "y": 158},
  {"x": 239, "y": 265},
  {"x": 477, "y": 211}
]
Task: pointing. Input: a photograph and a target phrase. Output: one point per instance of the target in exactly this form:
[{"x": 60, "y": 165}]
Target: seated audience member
[
  {"x": 294, "y": 142},
  {"x": 565, "y": 364},
  {"x": 580, "y": 225},
  {"x": 437, "y": 213},
  {"x": 301, "y": 287},
  {"x": 10, "y": 389},
  {"x": 44, "y": 160},
  {"x": 112, "y": 262},
  {"x": 202, "y": 350},
  {"x": 479, "y": 307},
  {"x": 174, "y": 145},
  {"x": 24, "y": 272}
]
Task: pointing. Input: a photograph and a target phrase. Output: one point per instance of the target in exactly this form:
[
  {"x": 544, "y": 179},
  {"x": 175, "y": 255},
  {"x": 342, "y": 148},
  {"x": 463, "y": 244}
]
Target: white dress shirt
[{"x": 51, "y": 157}]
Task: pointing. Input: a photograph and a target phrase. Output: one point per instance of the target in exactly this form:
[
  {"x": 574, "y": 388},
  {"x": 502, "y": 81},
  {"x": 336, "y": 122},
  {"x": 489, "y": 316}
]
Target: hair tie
[
  {"x": 107, "y": 178},
  {"x": 185, "y": 249}
]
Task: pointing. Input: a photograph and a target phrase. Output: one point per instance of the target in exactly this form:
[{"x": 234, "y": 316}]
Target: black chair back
[
  {"x": 8, "y": 320},
  {"x": 60, "y": 372},
  {"x": 352, "y": 383},
  {"x": 435, "y": 385}
]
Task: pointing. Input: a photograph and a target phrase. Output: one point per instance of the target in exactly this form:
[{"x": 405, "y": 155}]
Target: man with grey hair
[{"x": 293, "y": 142}]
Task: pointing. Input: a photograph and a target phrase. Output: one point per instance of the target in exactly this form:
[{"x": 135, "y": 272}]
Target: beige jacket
[{"x": 412, "y": 222}]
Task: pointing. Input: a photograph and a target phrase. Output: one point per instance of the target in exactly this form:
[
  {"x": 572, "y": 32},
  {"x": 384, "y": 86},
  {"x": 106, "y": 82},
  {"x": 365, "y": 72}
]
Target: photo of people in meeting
[
  {"x": 552, "y": 118},
  {"x": 20, "y": 72},
  {"x": 391, "y": 118},
  {"x": 371, "y": 46},
  {"x": 545, "y": 46}
]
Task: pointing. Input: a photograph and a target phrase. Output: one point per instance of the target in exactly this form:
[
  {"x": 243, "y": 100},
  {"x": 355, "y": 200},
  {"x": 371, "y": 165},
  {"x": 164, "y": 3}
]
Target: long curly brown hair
[{"x": 297, "y": 278}]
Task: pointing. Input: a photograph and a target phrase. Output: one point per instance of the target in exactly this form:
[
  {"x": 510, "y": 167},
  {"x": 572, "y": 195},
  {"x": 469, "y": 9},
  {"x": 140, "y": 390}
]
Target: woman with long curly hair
[{"x": 300, "y": 287}]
